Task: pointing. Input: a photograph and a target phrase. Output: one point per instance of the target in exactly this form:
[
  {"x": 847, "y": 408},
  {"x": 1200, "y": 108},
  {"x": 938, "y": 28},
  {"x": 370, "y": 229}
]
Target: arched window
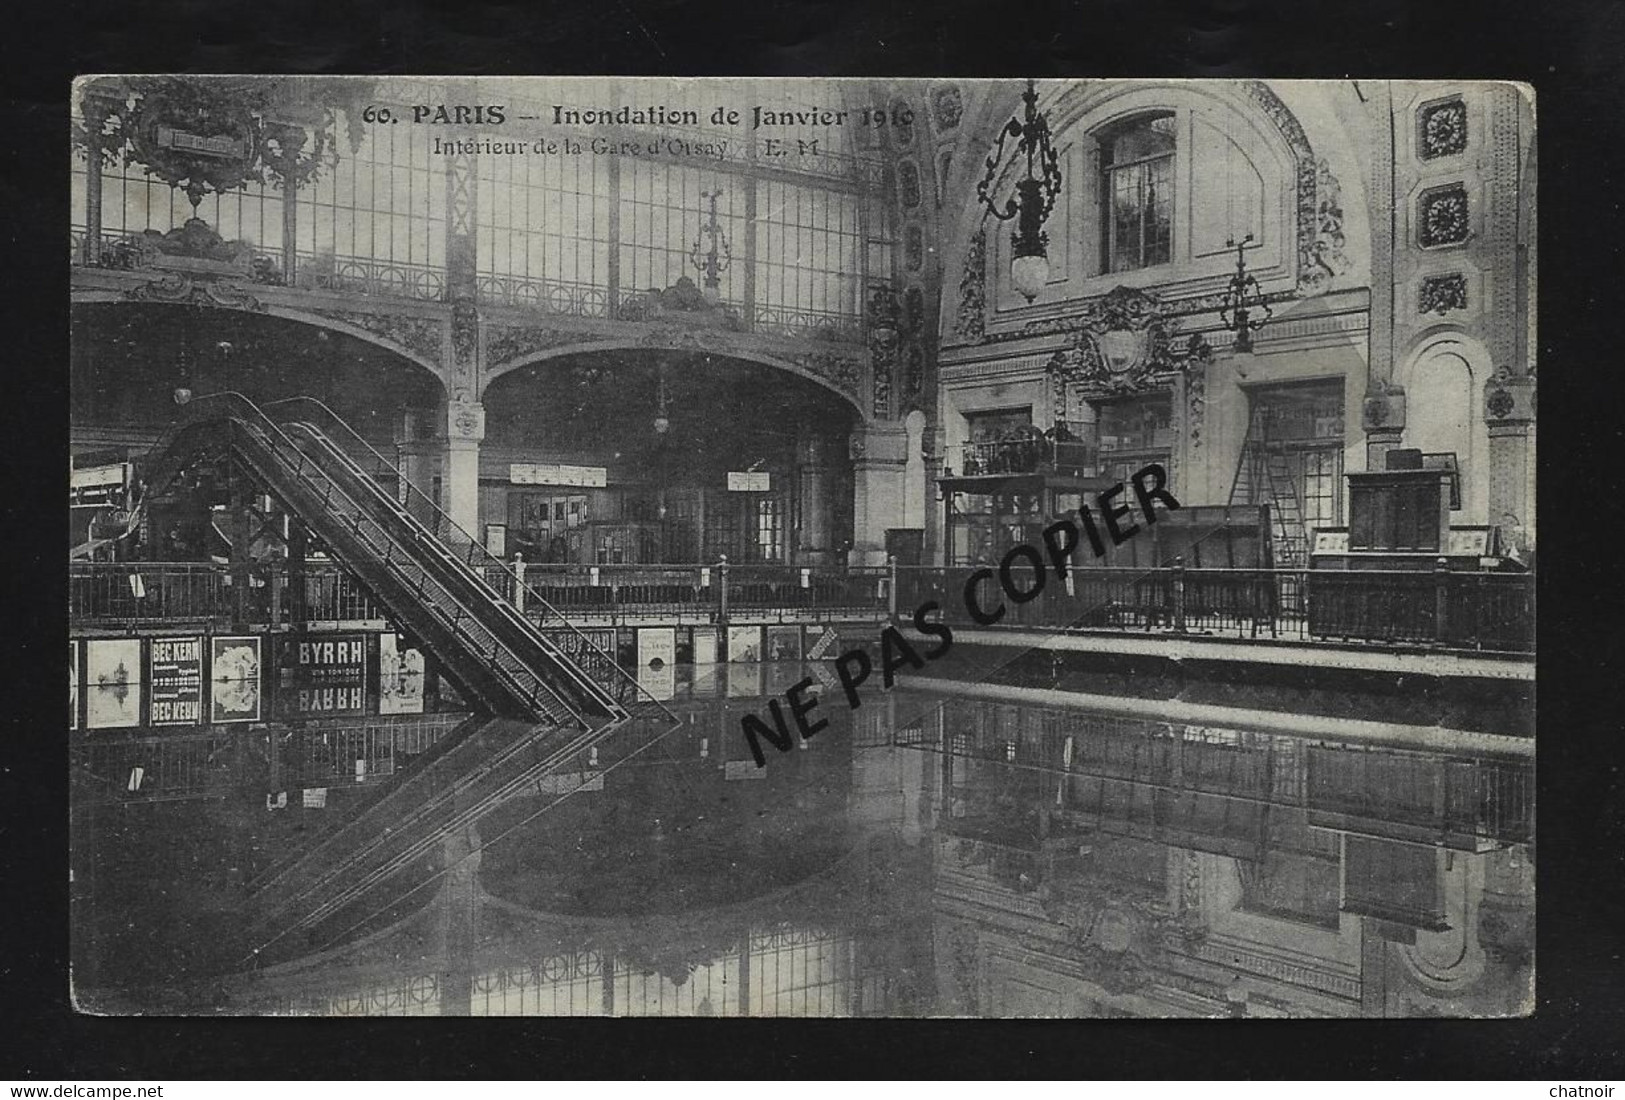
[{"x": 1137, "y": 193}]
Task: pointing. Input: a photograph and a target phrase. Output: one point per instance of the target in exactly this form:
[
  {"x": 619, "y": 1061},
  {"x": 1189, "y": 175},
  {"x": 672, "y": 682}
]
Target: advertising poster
[
  {"x": 744, "y": 644},
  {"x": 234, "y": 680},
  {"x": 113, "y": 683},
  {"x": 784, "y": 643},
  {"x": 400, "y": 677},
  {"x": 657, "y": 644},
  {"x": 73, "y": 685},
  {"x": 175, "y": 678},
  {"x": 325, "y": 676},
  {"x": 744, "y": 681},
  {"x": 705, "y": 645},
  {"x": 660, "y": 683}
]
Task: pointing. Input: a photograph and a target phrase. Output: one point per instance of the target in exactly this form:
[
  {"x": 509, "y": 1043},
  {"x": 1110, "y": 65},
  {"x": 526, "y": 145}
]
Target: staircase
[{"x": 1264, "y": 476}]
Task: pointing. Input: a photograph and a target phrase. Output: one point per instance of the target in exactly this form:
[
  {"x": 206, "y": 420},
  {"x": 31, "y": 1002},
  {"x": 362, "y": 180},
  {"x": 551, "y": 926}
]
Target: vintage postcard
[{"x": 802, "y": 547}]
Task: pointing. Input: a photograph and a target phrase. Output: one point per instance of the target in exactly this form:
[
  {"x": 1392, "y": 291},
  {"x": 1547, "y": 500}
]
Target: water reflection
[{"x": 920, "y": 857}]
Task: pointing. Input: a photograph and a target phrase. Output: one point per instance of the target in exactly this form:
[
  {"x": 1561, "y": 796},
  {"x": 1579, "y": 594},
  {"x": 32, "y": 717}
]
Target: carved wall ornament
[
  {"x": 180, "y": 288},
  {"x": 508, "y": 343},
  {"x": 1442, "y": 293},
  {"x": 422, "y": 336},
  {"x": 913, "y": 311},
  {"x": 1383, "y": 408},
  {"x": 1442, "y": 216},
  {"x": 682, "y": 302},
  {"x": 465, "y": 335},
  {"x": 844, "y": 372},
  {"x": 677, "y": 337},
  {"x": 1442, "y": 129},
  {"x": 945, "y": 164},
  {"x": 1196, "y": 396},
  {"x": 971, "y": 321},
  {"x": 1123, "y": 344},
  {"x": 914, "y": 247},
  {"x": 882, "y": 359},
  {"x": 908, "y": 184},
  {"x": 903, "y": 130},
  {"x": 913, "y": 374},
  {"x": 1326, "y": 250},
  {"x": 947, "y": 106}
]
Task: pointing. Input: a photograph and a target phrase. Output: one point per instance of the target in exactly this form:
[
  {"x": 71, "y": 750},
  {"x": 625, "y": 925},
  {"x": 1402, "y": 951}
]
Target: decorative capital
[
  {"x": 465, "y": 420},
  {"x": 1509, "y": 398},
  {"x": 1383, "y": 409}
]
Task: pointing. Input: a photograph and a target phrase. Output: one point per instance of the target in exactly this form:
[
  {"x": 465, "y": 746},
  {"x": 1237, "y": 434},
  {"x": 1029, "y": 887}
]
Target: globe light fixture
[{"x": 1035, "y": 194}]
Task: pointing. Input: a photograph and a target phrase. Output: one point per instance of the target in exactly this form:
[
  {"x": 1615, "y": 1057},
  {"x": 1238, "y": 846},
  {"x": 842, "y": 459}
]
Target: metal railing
[
  {"x": 549, "y": 295},
  {"x": 1436, "y": 608},
  {"x": 1031, "y": 455},
  {"x": 459, "y": 546}
]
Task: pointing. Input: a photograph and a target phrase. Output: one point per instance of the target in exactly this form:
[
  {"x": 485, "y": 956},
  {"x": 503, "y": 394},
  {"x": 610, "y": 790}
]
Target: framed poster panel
[
  {"x": 783, "y": 643},
  {"x": 660, "y": 683},
  {"x": 400, "y": 677},
  {"x": 744, "y": 644},
  {"x": 325, "y": 676},
  {"x": 744, "y": 681},
  {"x": 113, "y": 683},
  {"x": 175, "y": 679},
  {"x": 235, "y": 693},
  {"x": 705, "y": 645},
  {"x": 657, "y": 643}
]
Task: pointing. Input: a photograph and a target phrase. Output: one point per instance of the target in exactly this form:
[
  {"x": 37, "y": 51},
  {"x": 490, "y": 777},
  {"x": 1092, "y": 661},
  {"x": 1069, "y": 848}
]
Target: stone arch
[
  {"x": 724, "y": 350},
  {"x": 418, "y": 333},
  {"x": 1311, "y": 193},
  {"x": 1443, "y": 376}
]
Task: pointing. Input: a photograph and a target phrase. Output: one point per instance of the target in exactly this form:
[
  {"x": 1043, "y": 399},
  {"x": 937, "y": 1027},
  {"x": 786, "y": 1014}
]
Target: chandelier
[
  {"x": 1242, "y": 300},
  {"x": 710, "y": 255},
  {"x": 1034, "y": 198}
]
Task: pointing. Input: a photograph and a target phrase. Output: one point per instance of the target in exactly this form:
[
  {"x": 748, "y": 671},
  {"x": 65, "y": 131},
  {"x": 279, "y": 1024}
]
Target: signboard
[
  {"x": 175, "y": 676},
  {"x": 97, "y": 485},
  {"x": 828, "y": 640},
  {"x": 113, "y": 683},
  {"x": 749, "y": 481},
  {"x": 73, "y": 685},
  {"x": 326, "y": 675},
  {"x": 400, "y": 677},
  {"x": 496, "y": 539},
  {"x": 234, "y": 679},
  {"x": 660, "y": 683},
  {"x": 705, "y": 645},
  {"x": 549, "y": 473}
]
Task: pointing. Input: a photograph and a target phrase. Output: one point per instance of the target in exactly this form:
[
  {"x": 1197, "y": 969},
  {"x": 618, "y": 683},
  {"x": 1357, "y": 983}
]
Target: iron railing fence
[
  {"x": 1486, "y": 612},
  {"x": 1490, "y": 612}
]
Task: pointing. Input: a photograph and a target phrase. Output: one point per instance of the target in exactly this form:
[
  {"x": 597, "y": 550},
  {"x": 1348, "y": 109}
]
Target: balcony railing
[
  {"x": 1037, "y": 454},
  {"x": 1479, "y": 611},
  {"x": 549, "y": 295}
]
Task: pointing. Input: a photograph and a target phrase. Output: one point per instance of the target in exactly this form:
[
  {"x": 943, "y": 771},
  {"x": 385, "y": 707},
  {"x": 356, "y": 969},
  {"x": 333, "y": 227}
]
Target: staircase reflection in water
[{"x": 916, "y": 858}]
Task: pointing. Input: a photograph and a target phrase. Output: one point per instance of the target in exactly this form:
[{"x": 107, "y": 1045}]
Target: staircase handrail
[
  {"x": 261, "y": 421},
  {"x": 487, "y": 559}
]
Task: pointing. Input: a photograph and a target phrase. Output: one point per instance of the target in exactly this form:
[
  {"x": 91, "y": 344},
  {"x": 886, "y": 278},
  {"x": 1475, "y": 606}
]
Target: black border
[{"x": 1570, "y": 52}]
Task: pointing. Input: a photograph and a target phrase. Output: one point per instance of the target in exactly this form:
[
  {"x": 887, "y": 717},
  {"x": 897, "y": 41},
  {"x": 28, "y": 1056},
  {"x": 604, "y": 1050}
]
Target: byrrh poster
[{"x": 235, "y": 680}]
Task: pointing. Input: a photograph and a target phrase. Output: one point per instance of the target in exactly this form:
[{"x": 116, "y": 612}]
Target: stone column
[
  {"x": 418, "y": 445},
  {"x": 460, "y": 468},
  {"x": 879, "y": 455},
  {"x": 813, "y": 539},
  {"x": 1382, "y": 414},
  {"x": 465, "y": 416},
  {"x": 933, "y": 448},
  {"x": 1509, "y": 414}
]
